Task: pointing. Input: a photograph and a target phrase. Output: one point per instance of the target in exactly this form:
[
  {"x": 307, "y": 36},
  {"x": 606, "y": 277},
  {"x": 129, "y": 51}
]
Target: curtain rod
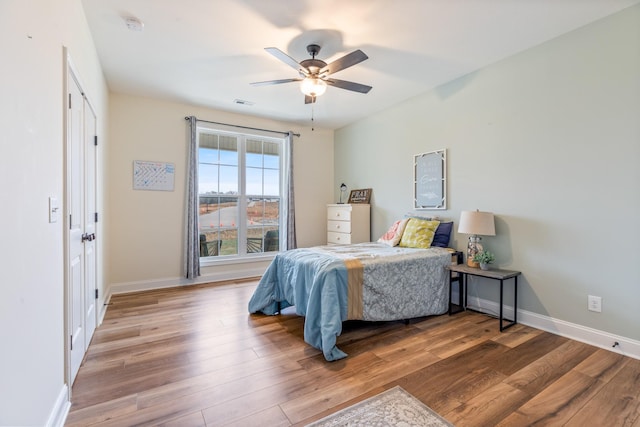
[{"x": 245, "y": 127}]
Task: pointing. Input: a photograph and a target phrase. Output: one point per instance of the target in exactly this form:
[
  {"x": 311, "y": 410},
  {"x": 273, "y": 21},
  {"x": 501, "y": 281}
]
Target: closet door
[
  {"x": 80, "y": 223},
  {"x": 90, "y": 219},
  {"x": 74, "y": 203}
]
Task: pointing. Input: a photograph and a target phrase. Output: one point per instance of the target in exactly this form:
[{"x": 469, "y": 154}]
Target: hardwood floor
[{"x": 193, "y": 356}]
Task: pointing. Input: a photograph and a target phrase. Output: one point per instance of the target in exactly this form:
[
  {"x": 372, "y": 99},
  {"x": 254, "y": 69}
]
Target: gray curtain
[
  {"x": 290, "y": 227},
  {"x": 192, "y": 241}
]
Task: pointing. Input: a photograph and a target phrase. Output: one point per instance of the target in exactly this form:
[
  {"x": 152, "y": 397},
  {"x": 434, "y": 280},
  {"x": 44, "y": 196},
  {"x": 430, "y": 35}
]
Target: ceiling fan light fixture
[{"x": 312, "y": 86}]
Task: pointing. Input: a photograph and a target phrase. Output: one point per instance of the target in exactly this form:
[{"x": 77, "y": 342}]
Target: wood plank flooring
[{"x": 193, "y": 356}]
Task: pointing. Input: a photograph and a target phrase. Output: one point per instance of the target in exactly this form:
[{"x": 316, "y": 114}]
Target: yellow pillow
[{"x": 418, "y": 233}]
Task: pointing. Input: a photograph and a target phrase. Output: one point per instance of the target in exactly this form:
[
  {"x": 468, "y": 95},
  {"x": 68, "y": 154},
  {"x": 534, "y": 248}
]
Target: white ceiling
[{"x": 207, "y": 52}]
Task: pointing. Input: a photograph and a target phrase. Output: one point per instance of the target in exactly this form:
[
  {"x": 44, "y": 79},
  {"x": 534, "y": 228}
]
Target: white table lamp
[{"x": 476, "y": 224}]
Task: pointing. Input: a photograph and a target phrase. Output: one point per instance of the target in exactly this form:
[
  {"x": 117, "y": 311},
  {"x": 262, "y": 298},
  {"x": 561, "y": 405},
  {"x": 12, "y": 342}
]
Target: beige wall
[
  {"x": 146, "y": 228},
  {"x": 548, "y": 140},
  {"x": 32, "y": 331}
]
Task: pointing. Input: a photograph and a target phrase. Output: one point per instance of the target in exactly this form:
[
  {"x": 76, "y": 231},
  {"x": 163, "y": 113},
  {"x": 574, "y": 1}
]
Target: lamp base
[{"x": 473, "y": 247}]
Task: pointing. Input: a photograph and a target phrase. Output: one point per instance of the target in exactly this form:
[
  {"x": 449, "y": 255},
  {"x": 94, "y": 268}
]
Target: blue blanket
[{"x": 316, "y": 284}]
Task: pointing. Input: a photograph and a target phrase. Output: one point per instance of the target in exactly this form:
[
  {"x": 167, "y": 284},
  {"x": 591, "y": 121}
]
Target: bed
[{"x": 375, "y": 281}]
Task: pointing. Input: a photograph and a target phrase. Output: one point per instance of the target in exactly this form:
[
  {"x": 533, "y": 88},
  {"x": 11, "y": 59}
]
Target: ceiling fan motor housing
[{"x": 313, "y": 65}]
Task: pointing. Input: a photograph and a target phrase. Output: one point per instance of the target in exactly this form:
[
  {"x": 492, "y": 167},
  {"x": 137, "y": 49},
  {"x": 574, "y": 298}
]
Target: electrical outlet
[{"x": 595, "y": 304}]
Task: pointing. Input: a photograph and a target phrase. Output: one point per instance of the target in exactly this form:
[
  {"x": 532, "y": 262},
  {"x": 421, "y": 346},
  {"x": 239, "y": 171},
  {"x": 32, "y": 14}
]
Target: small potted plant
[{"x": 484, "y": 258}]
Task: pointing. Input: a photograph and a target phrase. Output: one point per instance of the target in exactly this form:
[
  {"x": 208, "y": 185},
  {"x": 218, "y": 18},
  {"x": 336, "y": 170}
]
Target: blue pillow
[{"x": 442, "y": 235}]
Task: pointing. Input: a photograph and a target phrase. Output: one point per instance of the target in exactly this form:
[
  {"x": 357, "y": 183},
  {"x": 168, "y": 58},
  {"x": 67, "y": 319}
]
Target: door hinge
[
  {"x": 95, "y": 218},
  {"x": 95, "y": 140},
  {"x": 96, "y": 294},
  {"x": 70, "y": 222},
  {"x": 71, "y": 342},
  {"x": 69, "y": 101}
]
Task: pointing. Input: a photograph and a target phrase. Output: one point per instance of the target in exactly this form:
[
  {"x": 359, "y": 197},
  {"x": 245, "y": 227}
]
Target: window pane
[
  {"x": 218, "y": 224},
  {"x": 228, "y": 180},
  {"x": 229, "y": 244},
  {"x": 271, "y": 182},
  {"x": 271, "y": 212},
  {"x": 272, "y": 162},
  {"x": 208, "y": 155},
  {"x": 208, "y": 220},
  {"x": 228, "y": 150},
  {"x": 254, "y": 160},
  {"x": 254, "y": 182},
  {"x": 228, "y": 157},
  {"x": 255, "y": 212},
  {"x": 263, "y": 217},
  {"x": 208, "y": 140},
  {"x": 208, "y": 179}
]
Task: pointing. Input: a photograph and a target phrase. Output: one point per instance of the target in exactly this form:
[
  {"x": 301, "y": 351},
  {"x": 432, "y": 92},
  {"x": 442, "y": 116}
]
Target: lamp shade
[
  {"x": 312, "y": 86},
  {"x": 476, "y": 222}
]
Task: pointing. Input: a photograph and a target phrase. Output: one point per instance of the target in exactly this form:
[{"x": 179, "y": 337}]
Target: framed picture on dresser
[{"x": 362, "y": 195}]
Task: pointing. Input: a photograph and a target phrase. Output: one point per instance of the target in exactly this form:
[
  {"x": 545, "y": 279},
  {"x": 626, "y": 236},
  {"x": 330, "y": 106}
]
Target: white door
[
  {"x": 90, "y": 212},
  {"x": 74, "y": 204},
  {"x": 81, "y": 218}
]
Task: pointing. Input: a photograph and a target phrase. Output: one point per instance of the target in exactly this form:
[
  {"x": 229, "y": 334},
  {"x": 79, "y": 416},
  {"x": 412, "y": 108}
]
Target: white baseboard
[
  {"x": 595, "y": 337},
  {"x": 145, "y": 285},
  {"x": 103, "y": 309},
  {"x": 60, "y": 410}
]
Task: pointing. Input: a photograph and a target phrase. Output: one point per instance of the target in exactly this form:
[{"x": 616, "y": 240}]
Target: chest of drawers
[{"x": 348, "y": 223}]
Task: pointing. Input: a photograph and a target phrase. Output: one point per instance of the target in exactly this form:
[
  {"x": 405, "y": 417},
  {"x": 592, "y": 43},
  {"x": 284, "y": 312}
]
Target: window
[{"x": 240, "y": 187}]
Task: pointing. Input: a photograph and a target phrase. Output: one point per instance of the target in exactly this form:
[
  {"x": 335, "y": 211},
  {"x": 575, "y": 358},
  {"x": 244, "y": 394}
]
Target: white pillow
[{"x": 394, "y": 234}]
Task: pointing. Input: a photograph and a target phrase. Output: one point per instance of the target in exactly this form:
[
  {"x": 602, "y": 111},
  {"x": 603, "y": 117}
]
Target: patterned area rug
[{"x": 394, "y": 407}]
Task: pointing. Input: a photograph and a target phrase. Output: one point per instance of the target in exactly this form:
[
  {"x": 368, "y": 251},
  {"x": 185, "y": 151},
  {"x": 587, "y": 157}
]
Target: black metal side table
[{"x": 461, "y": 278}]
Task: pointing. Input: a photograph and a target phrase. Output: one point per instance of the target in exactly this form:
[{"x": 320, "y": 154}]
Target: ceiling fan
[{"x": 315, "y": 73}]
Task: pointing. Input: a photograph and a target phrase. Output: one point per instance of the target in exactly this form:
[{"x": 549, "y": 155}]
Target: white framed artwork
[
  {"x": 157, "y": 176},
  {"x": 430, "y": 180}
]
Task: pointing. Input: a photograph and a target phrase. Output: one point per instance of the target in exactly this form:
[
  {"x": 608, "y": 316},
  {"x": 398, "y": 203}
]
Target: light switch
[{"x": 54, "y": 209}]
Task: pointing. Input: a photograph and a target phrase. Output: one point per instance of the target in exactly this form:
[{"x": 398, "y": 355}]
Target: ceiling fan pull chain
[{"x": 312, "y": 124}]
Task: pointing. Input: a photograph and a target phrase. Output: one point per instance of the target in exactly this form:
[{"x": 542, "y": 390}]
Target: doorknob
[{"x": 90, "y": 237}]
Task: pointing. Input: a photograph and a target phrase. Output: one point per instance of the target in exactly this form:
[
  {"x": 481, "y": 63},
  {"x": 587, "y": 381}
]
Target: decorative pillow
[
  {"x": 426, "y": 218},
  {"x": 443, "y": 234},
  {"x": 418, "y": 233},
  {"x": 393, "y": 235}
]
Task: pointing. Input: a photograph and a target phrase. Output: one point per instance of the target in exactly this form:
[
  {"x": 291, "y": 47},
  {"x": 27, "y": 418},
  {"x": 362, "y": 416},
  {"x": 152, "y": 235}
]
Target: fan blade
[
  {"x": 343, "y": 84},
  {"x": 275, "y": 82},
  {"x": 346, "y": 61},
  {"x": 309, "y": 99},
  {"x": 287, "y": 60}
]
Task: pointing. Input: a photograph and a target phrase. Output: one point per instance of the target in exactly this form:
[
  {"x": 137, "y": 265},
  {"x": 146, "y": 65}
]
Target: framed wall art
[
  {"x": 360, "y": 196},
  {"x": 430, "y": 180},
  {"x": 158, "y": 176}
]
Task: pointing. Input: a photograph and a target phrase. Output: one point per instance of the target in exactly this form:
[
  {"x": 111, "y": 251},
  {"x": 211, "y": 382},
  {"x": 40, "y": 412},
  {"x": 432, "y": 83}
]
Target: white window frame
[{"x": 242, "y": 136}]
